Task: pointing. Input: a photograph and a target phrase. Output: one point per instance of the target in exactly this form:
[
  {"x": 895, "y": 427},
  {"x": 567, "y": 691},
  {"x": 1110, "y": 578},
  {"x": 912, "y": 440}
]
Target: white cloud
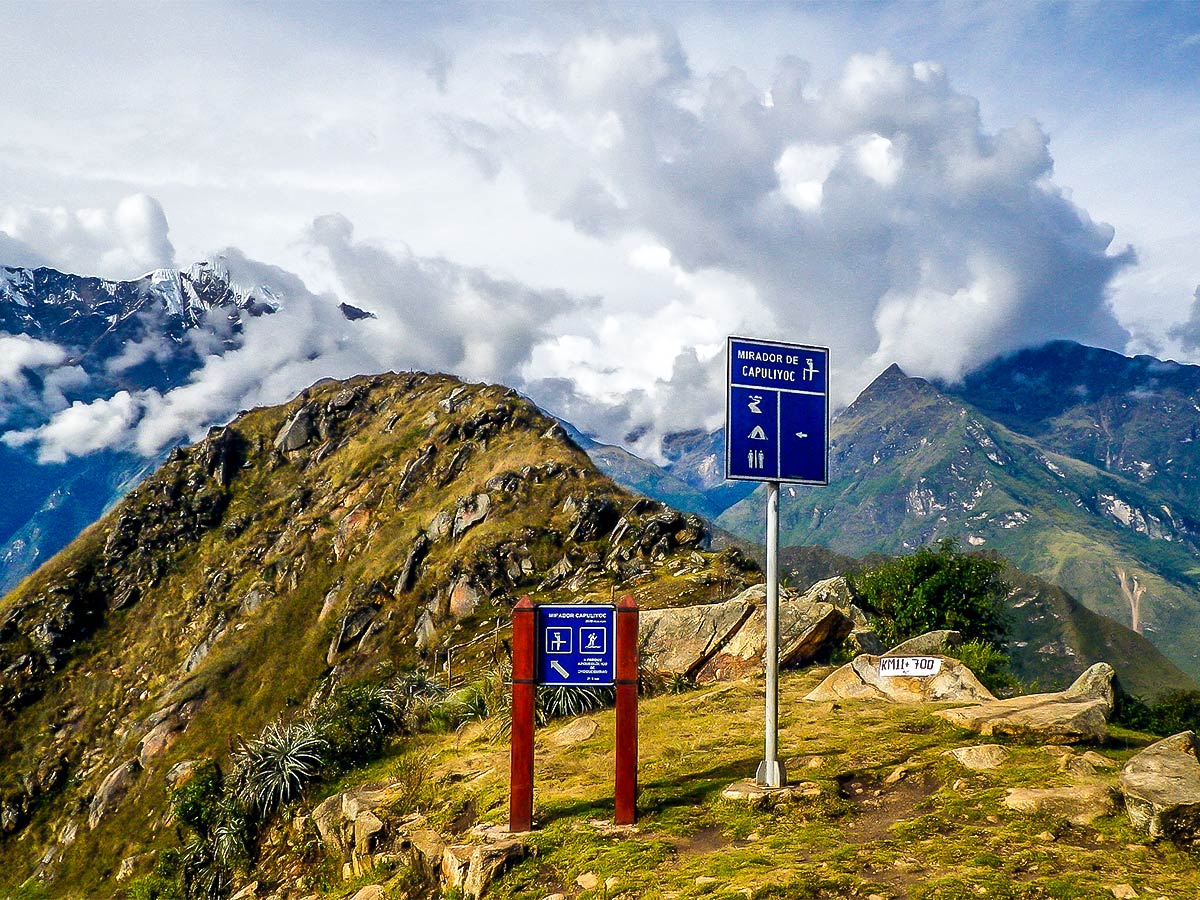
[
  {"x": 688, "y": 188},
  {"x": 429, "y": 314},
  {"x": 802, "y": 170},
  {"x": 81, "y": 428},
  {"x": 926, "y": 216},
  {"x": 123, "y": 242},
  {"x": 20, "y": 353}
]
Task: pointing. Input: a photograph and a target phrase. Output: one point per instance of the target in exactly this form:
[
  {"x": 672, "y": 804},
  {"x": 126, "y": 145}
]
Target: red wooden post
[
  {"x": 627, "y": 723},
  {"x": 520, "y": 807}
]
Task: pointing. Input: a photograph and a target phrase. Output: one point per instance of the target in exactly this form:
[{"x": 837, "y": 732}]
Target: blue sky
[{"x": 582, "y": 200}]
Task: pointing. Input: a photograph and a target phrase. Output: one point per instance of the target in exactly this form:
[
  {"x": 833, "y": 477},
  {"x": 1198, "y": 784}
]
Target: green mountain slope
[
  {"x": 643, "y": 477},
  {"x": 911, "y": 465},
  {"x": 1139, "y": 416},
  {"x": 364, "y": 528}
]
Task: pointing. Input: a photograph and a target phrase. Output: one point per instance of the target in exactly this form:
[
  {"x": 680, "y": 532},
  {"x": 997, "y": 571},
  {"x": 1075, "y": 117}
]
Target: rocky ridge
[{"x": 371, "y": 523}]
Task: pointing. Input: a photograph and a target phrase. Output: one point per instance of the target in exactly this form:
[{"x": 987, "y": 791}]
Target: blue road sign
[
  {"x": 576, "y": 645},
  {"x": 777, "y": 412}
]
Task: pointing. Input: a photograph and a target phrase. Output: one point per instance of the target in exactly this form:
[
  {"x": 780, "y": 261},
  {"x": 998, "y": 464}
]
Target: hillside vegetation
[{"x": 880, "y": 811}]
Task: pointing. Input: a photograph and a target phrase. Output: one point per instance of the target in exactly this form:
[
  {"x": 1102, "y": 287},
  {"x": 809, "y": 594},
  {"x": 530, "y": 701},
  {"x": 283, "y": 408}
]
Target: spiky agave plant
[
  {"x": 272, "y": 768},
  {"x": 560, "y": 702},
  {"x": 418, "y": 687},
  {"x": 203, "y": 875}
]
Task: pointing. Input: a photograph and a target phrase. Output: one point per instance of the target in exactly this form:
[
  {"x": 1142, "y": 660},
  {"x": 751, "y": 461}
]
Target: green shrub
[
  {"x": 153, "y": 887},
  {"x": 418, "y": 687},
  {"x": 203, "y": 876},
  {"x": 936, "y": 587},
  {"x": 655, "y": 684},
  {"x": 488, "y": 696},
  {"x": 562, "y": 702},
  {"x": 356, "y": 721},
  {"x": 992, "y": 667},
  {"x": 197, "y": 804},
  {"x": 1173, "y": 712}
]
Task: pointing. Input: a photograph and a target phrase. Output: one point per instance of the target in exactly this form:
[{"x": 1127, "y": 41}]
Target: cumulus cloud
[
  {"x": 81, "y": 428},
  {"x": 444, "y": 316},
  {"x": 33, "y": 376},
  {"x": 1187, "y": 332},
  {"x": 874, "y": 213},
  {"x": 122, "y": 242}
]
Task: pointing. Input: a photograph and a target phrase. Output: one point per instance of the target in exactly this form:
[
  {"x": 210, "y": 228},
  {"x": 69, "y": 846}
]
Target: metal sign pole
[{"x": 770, "y": 770}]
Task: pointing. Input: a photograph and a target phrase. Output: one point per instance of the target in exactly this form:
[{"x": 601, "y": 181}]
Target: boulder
[
  {"x": 1161, "y": 787},
  {"x": 469, "y": 512},
  {"x": 931, "y": 643},
  {"x": 837, "y": 592},
  {"x": 367, "y": 826},
  {"x": 807, "y": 628},
  {"x": 471, "y": 868},
  {"x": 860, "y": 680},
  {"x": 439, "y": 527},
  {"x": 412, "y": 564},
  {"x": 683, "y": 639},
  {"x": 1078, "y": 714},
  {"x": 112, "y": 791},
  {"x": 296, "y": 433},
  {"x": 864, "y": 640},
  {"x": 464, "y": 598},
  {"x": 980, "y": 758},
  {"x": 347, "y": 823}
]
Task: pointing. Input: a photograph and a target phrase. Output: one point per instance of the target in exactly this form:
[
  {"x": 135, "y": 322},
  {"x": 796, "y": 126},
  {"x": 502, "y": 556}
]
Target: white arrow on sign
[
  {"x": 801, "y": 434},
  {"x": 559, "y": 669}
]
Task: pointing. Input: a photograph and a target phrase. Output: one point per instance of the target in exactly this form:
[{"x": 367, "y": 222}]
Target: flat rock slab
[
  {"x": 1080, "y": 803},
  {"x": 860, "y": 680},
  {"x": 1076, "y": 715},
  {"x": 576, "y": 732},
  {"x": 759, "y": 796},
  {"x": 980, "y": 758},
  {"x": 1161, "y": 787}
]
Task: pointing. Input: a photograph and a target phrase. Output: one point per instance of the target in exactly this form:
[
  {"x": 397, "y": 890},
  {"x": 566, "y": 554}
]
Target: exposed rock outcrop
[
  {"x": 471, "y": 868},
  {"x": 1078, "y": 714},
  {"x": 1080, "y": 803},
  {"x": 683, "y": 639},
  {"x": 112, "y": 791},
  {"x": 807, "y": 628},
  {"x": 861, "y": 680},
  {"x": 979, "y": 758},
  {"x": 931, "y": 643}
]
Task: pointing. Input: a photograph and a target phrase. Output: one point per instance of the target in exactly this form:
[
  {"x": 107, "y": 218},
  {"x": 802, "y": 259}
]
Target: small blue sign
[
  {"x": 577, "y": 645},
  {"x": 777, "y": 412}
]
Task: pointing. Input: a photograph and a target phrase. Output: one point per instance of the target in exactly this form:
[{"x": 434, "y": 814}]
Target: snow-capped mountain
[
  {"x": 150, "y": 333},
  {"x": 130, "y": 334}
]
